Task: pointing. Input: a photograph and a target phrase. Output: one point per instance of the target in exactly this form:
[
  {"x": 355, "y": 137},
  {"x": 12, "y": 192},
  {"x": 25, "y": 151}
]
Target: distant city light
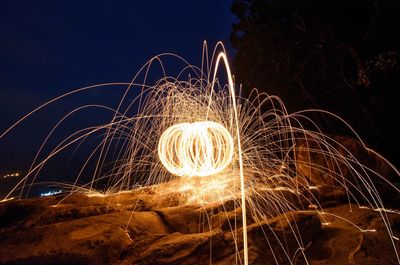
[
  {"x": 50, "y": 193},
  {"x": 11, "y": 175}
]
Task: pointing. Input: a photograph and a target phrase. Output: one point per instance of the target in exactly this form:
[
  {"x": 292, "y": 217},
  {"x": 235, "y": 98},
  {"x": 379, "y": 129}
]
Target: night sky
[{"x": 52, "y": 47}]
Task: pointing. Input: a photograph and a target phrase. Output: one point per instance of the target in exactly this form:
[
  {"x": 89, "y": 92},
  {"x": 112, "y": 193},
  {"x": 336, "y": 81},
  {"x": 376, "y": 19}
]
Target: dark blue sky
[{"x": 50, "y": 47}]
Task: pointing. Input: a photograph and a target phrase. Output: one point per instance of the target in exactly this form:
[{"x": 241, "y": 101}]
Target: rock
[
  {"x": 105, "y": 230},
  {"x": 278, "y": 239},
  {"x": 359, "y": 238},
  {"x": 185, "y": 219},
  {"x": 323, "y": 196},
  {"x": 179, "y": 248},
  {"x": 345, "y": 162},
  {"x": 79, "y": 238}
]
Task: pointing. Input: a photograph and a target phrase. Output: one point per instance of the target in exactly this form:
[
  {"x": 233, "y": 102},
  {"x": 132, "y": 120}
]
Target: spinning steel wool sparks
[
  {"x": 214, "y": 146},
  {"x": 196, "y": 149}
]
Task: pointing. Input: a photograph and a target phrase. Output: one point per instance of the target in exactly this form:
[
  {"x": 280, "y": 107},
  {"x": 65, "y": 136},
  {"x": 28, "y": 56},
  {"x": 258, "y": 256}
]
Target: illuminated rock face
[
  {"x": 196, "y": 149},
  {"x": 141, "y": 227}
]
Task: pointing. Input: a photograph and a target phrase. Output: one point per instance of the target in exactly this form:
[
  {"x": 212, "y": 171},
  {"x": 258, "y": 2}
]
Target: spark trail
[{"x": 200, "y": 138}]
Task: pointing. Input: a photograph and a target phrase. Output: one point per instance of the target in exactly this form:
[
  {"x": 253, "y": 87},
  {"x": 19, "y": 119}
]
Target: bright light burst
[{"x": 196, "y": 149}]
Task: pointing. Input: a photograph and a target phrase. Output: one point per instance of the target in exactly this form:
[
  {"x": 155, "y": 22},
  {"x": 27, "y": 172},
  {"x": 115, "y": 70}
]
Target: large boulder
[{"x": 345, "y": 163}]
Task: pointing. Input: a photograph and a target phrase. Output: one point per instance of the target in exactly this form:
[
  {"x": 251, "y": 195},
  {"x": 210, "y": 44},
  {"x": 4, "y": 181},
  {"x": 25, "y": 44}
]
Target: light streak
[
  {"x": 381, "y": 210},
  {"x": 200, "y": 139},
  {"x": 7, "y": 199},
  {"x": 196, "y": 149}
]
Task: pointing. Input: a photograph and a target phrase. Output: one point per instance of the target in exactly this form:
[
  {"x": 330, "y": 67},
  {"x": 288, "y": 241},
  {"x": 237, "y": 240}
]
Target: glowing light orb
[{"x": 196, "y": 149}]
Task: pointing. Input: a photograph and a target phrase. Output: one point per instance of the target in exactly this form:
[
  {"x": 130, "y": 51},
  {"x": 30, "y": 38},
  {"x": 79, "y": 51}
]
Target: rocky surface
[
  {"x": 131, "y": 228},
  {"x": 146, "y": 227}
]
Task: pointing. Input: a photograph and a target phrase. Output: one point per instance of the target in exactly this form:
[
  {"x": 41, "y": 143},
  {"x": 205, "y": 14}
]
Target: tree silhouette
[{"x": 338, "y": 55}]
